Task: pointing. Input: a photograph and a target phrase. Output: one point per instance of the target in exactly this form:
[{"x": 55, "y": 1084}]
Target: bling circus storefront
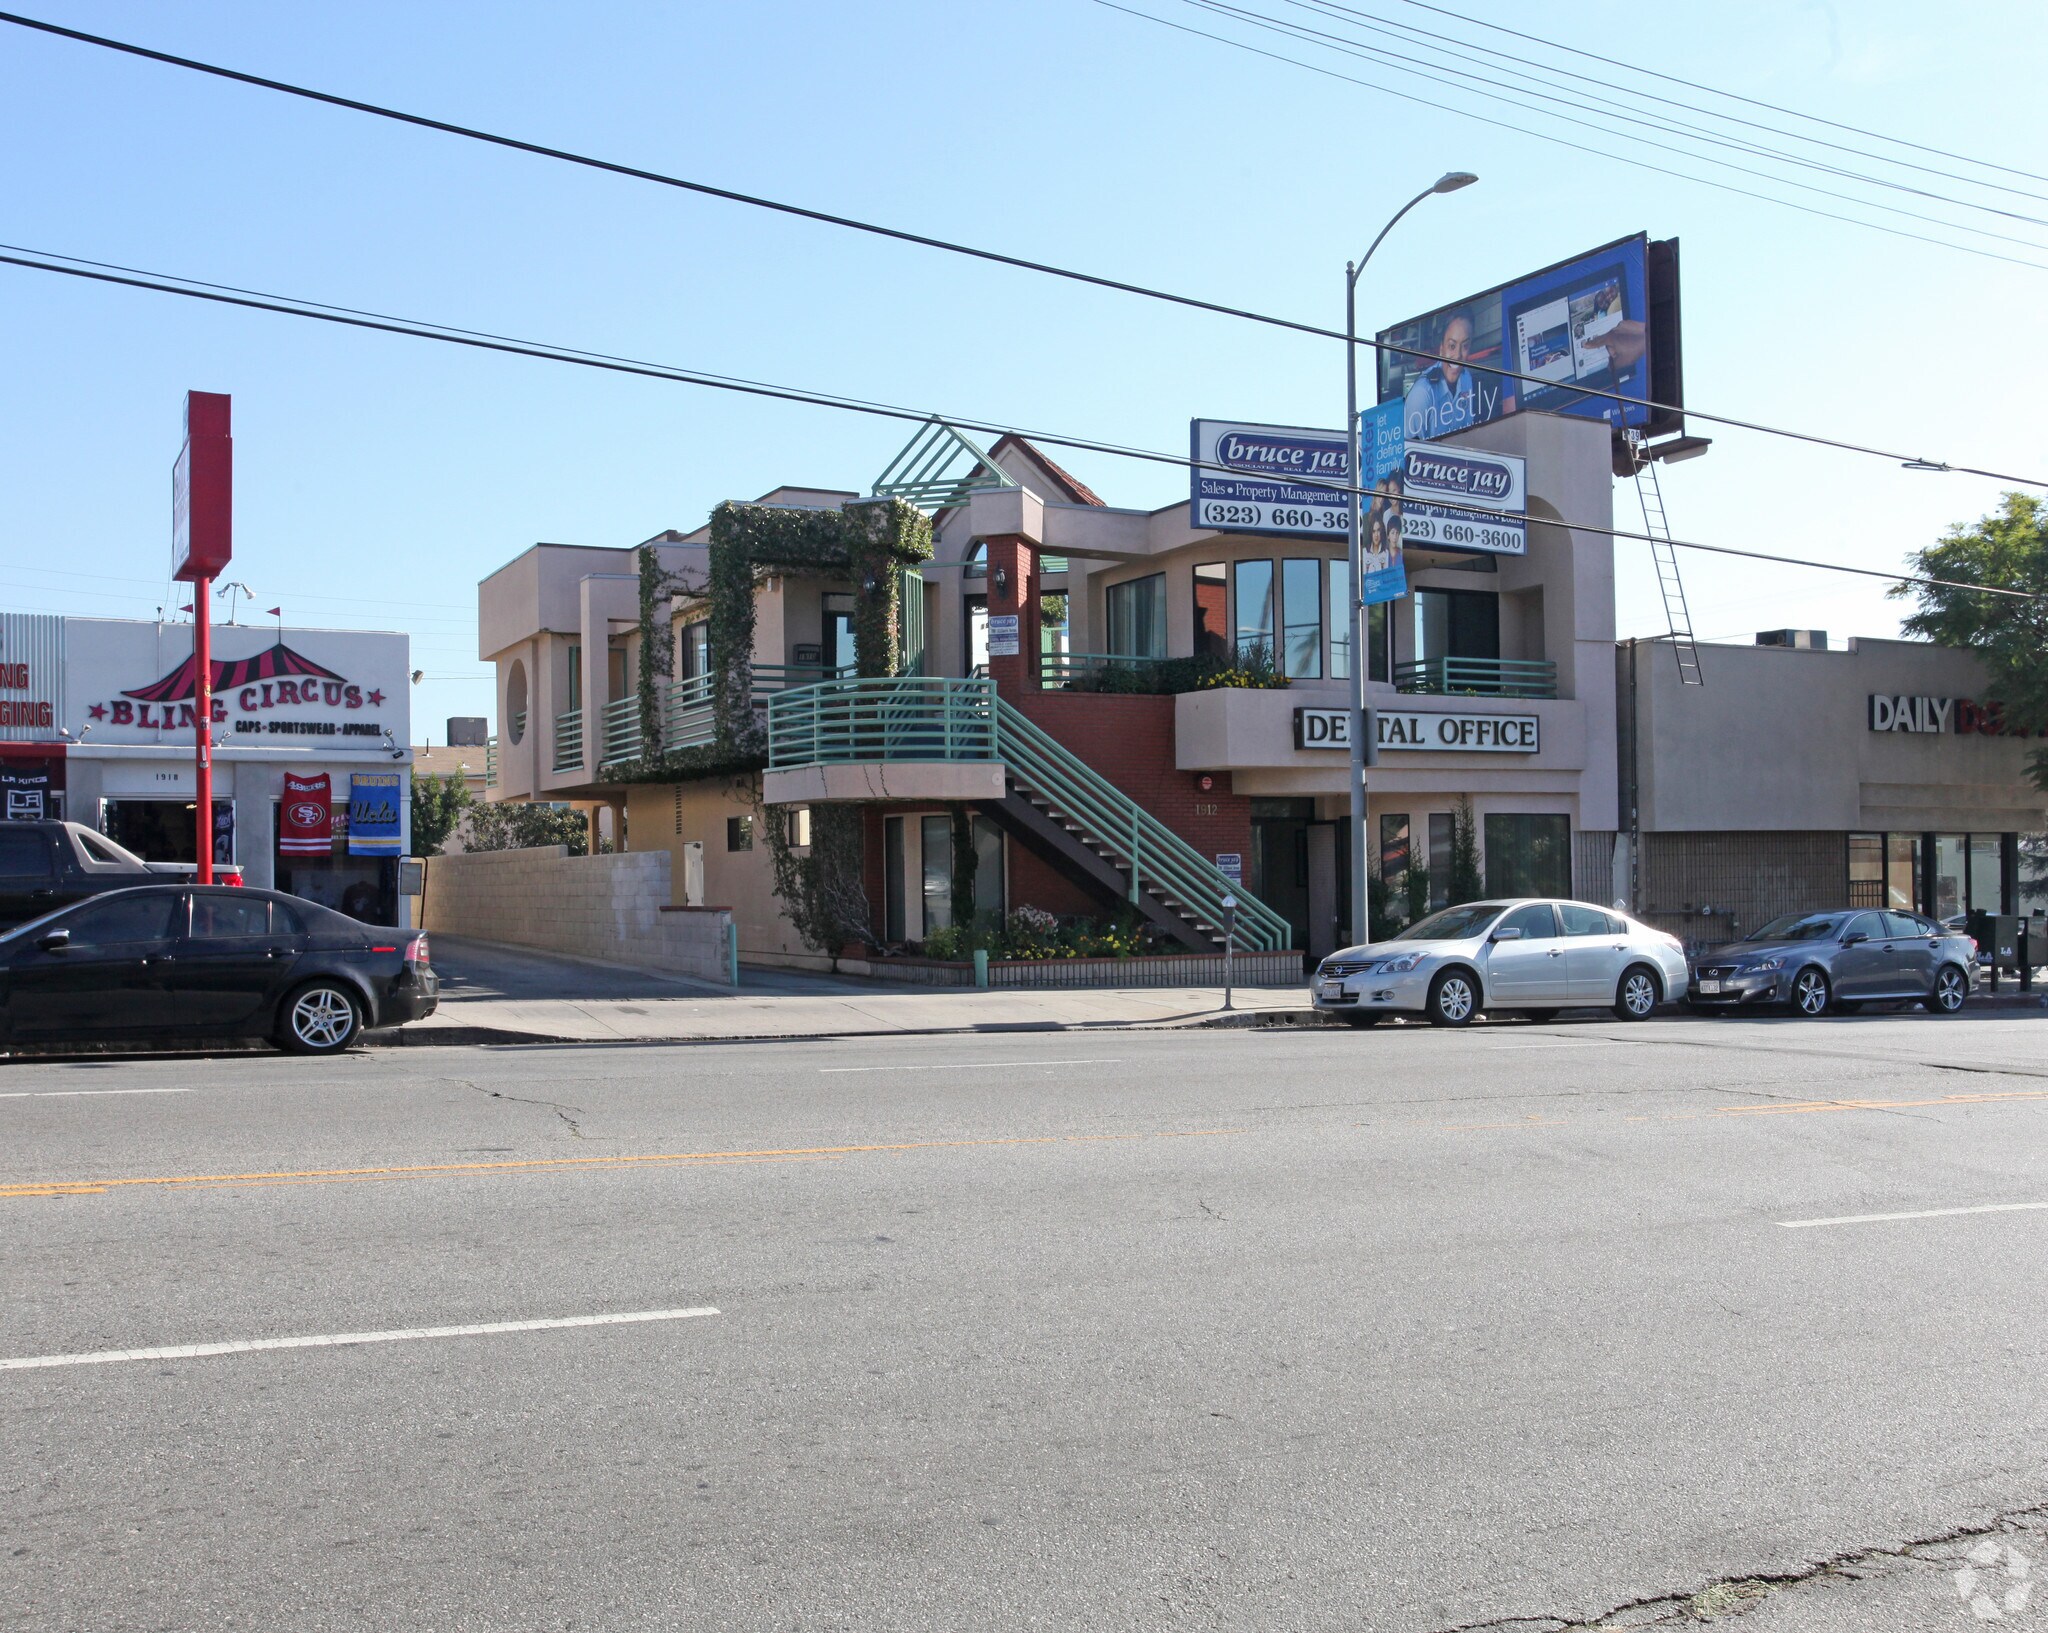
[{"x": 312, "y": 769}]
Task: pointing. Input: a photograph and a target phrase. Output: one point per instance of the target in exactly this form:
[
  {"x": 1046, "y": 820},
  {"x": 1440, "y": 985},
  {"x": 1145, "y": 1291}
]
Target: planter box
[{"x": 1152, "y": 970}]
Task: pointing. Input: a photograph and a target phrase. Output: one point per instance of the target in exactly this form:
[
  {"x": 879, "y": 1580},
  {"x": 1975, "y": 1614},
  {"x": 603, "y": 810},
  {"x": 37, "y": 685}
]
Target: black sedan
[
  {"x": 1814, "y": 962},
  {"x": 189, "y": 962}
]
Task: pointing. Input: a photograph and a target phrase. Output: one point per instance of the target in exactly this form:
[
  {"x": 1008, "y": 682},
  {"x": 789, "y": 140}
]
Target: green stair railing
[{"x": 940, "y": 719}]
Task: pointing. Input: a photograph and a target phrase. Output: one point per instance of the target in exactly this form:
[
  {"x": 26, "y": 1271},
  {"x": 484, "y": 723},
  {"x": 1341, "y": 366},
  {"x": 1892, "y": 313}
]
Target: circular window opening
[{"x": 515, "y": 701}]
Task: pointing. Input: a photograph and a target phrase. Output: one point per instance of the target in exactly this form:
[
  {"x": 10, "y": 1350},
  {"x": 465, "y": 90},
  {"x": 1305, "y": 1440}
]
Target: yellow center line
[{"x": 309, "y": 1176}]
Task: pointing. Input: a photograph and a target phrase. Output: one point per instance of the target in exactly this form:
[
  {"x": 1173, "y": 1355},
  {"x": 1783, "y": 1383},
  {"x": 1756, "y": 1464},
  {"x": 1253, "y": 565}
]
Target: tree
[
  {"x": 2007, "y": 551},
  {"x": 437, "y": 807},
  {"x": 1465, "y": 882},
  {"x": 514, "y": 827}
]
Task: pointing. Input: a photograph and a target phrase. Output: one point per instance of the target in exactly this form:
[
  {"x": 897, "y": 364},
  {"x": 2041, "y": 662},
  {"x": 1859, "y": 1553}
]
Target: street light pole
[{"x": 1448, "y": 183}]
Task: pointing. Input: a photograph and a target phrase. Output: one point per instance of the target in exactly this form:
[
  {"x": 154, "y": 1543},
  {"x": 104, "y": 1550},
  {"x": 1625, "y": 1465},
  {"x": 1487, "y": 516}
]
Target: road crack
[{"x": 560, "y": 1108}]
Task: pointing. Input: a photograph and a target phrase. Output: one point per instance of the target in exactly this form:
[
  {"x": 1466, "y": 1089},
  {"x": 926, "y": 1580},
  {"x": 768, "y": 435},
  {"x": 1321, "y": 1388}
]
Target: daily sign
[
  {"x": 1251, "y": 479},
  {"x": 1432, "y": 733}
]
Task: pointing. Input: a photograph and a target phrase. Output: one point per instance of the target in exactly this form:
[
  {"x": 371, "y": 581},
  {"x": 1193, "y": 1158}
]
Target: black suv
[{"x": 48, "y": 865}]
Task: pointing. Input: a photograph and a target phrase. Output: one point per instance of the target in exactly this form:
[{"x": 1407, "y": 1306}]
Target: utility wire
[
  {"x": 1733, "y": 96},
  {"x": 1608, "y": 109},
  {"x": 1561, "y": 141},
  {"x": 1529, "y": 67},
  {"x": 353, "y": 317},
  {"x": 998, "y": 258}
]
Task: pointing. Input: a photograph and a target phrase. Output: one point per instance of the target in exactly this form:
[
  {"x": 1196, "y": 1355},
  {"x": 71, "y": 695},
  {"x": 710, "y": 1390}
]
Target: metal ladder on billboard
[{"x": 1676, "y": 613}]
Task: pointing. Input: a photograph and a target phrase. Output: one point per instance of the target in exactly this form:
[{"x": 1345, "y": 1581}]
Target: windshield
[
  {"x": 1798, "y": 927},
  {"x": 1454, "y": 923}
]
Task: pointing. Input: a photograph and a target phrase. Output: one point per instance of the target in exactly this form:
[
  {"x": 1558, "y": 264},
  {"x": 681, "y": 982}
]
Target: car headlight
[
  {"x": 1398, "y": 966},
  {"x": 1768, "y": 964}
]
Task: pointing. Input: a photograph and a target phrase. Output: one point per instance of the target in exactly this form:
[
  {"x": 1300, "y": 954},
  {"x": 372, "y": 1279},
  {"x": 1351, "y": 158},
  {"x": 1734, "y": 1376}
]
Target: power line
[
  {"x": 1381, "y": 24},
  {"x": 1733, "y": 96},
  {"x": 998, "y": 258},
  {"x": 1562, "y": 141},
  {"x": 1608, "y": 109},
  {"x": 357, "y": 319}
]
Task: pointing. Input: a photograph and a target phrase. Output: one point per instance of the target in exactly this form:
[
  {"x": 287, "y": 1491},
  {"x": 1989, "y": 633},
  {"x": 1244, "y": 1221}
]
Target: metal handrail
[
  {"x": 491, "y": 761},
  {"x": 1058, "y": 668},
  {"x": 569, "y": 741},
  {"x": 920, "y": 718},
  {"x": 1478, "y": 677},
  {"x": 621, "y": 726}
]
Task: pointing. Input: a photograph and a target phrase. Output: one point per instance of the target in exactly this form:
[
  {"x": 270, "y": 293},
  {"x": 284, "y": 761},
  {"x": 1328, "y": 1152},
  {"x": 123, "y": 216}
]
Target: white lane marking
[
  {"x": 186, "y": 1352},
  {"x": 1923, "y": 1213},
  {"x": 59, "y": 1094},
  {"x": 975, "y": 1065}
]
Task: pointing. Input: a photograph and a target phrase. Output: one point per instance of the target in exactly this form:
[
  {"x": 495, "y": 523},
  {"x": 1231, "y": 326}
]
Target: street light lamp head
[
  {"x": 1452, "y": 180},
  {"x": 1922, "y": 465}
]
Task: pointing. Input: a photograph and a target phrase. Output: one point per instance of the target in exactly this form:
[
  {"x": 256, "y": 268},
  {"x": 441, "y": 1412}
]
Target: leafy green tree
[
  {"x": 1465, "y": 882},
  {"x": 2007, "y": 551},
  {"x": 437, "y": 807},
  {"x": 513, "y": 827}
]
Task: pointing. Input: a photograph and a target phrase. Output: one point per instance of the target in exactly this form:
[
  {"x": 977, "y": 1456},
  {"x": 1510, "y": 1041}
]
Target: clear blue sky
[{"x": 378, "y": 478}]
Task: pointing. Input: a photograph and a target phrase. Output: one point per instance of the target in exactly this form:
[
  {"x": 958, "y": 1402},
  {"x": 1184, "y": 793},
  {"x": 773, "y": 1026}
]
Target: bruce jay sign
[{"x": 1430, "y": 733}]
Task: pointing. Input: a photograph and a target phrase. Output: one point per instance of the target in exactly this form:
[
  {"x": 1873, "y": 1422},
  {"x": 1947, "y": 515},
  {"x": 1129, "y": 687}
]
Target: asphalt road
[{"x": 1293, "y": 1329}]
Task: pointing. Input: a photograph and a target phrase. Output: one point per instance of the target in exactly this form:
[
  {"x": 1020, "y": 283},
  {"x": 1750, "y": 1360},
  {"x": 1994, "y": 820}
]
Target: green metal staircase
[{"x": 915, "y": 718}]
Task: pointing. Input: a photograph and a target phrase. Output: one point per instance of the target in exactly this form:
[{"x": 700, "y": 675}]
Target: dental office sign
[
  {"x": 1268, "y": 479},
  {"x": 1427, "y": 733}
]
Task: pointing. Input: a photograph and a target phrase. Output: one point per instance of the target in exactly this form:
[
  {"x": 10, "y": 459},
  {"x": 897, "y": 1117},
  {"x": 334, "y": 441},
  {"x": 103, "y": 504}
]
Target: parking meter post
[{"x": 1229, "y": 943}]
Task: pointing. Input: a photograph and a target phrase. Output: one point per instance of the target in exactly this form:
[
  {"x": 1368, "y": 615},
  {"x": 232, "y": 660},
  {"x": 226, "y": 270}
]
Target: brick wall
[
  {"x": 1129, "y": 740},
  {"x": 1711, "y": 886},
  {"x": 614, "y": 908}
]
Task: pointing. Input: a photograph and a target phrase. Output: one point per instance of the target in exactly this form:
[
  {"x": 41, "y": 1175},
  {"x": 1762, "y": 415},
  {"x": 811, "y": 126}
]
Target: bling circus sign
[{"x": 290, "y": 688}]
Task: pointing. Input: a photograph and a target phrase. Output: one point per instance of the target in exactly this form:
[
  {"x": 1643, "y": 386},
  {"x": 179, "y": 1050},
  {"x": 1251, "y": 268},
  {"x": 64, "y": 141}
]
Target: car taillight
[{"x": 416, "y": 951}]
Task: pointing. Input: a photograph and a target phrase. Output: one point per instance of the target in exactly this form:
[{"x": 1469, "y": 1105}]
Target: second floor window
[
  {"x": 1255, "y": 611},
  {"x": 1136, "y": 611},
  {"x": 575, "y": 698},
  {"x": 1301, "y": 611},
  {"x": 1212, "y": 611}
]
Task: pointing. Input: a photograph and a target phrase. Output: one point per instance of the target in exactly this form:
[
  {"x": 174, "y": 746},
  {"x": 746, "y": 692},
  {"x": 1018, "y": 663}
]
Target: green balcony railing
[
  {"x": 569, "y": 741},
  {"x": 911, "y": 717},
  {"x": 1064, "y": 669},
  {"x": 919, "y": 718},
  {"x": 491, "y": 761},
  {"x": 1477, "y": 677},
  {"x": 687, "y": 718}
]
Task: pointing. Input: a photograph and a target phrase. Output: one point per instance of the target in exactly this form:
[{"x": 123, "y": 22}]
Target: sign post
[{"x": 202, "y": 540}]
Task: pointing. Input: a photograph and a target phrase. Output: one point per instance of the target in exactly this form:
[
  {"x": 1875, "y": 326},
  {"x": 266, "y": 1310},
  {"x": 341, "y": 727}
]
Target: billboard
[
  {"x": 1603, "y": 322},
  {"x": 1249, "y": 479},
  {"x": 202, "y": 490},
  {"x": 1433, "y": 498}
]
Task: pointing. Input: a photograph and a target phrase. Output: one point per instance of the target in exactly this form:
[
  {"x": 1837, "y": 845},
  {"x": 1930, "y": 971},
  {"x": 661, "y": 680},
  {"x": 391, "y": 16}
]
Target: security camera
[{"x": 398, "y": 754}]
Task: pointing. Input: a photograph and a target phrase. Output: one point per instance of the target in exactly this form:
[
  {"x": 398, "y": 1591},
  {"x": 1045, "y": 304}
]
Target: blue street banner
[
  {"x": 1382, "y": 460},
  {"x": 373, "y": 813}
]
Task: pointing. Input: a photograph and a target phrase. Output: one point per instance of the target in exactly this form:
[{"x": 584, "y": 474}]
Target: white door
[{"x": 1529, "y": 968}]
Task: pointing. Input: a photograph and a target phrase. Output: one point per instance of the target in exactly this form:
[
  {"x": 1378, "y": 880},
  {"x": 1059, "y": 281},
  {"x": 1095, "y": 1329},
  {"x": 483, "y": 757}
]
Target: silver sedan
[{"x": 1535, "y": 957}]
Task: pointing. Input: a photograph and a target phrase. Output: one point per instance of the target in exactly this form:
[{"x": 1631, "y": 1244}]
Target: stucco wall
[
  {"x": 614, "y": 908},
  {"x": 661, "y": 818}
]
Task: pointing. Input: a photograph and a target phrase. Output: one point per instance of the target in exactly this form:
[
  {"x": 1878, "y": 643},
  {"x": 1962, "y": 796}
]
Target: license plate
[
  {"x": 1331, "y": 989},
  {"x": 1710, "y": 986}
]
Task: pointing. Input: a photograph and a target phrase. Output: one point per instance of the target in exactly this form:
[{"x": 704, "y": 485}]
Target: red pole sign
[{"x": 202, "y": 540}]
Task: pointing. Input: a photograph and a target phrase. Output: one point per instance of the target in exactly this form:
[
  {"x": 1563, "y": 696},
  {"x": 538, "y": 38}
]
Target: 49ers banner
[{"x": 306, "y": 816}]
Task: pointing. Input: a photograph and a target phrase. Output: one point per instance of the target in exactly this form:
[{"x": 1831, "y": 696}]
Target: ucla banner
[
  {"x": 373, "y": 813},
  {"x": 1382, "y": 464}
]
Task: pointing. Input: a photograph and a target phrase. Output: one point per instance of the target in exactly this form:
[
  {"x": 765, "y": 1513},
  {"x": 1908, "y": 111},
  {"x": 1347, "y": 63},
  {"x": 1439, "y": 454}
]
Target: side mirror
[
  {"x": 1509, "y": 934},
  {"x": 1853, "y": 937},
  {"x": 56, "y": 941}
]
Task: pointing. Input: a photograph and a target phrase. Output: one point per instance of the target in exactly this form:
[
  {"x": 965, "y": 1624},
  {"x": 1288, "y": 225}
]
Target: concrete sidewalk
[{"x": 495, "y": 993}]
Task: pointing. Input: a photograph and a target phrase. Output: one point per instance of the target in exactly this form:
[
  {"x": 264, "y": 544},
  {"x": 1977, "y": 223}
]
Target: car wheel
[
  {"x": 1539, "y": 1016},
  {"x": 1811, "y": 993},
  {"x": 1637, "y": 995},
  {"x": 321, "y": 1018},
  {"x": 1951, "y": 988},
  {"x": 1361, "y": 1021},
  {"x": 1453, "y": 999}
]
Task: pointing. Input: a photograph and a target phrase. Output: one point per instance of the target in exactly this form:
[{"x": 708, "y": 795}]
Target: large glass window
[
  {"x": 837, "y": 634},
  {"x": 1255, "y": 610},
  {"x": 696, "y": 649},
  {"x": 1393, "y": 847},
  {"x": 1866, "y": 870},
  {"x": 1528, "y": 855},
  {"x": 1212, "y": 611},
  {"x": 937, "y": 872},
  {"x": 1301, "y": 612},
  {"x": 1340, "y": 620},
  {"x": 1987, "y": 874},
  {"x": 1902, "y": 871},
  {"x": 1457, "y": 624},
  {"x": 1950, "y": 880},
  {"x": 1137, "y": 617},
  {"x": 1442, "y": 831},
  {"x": 575, "y": 699}
]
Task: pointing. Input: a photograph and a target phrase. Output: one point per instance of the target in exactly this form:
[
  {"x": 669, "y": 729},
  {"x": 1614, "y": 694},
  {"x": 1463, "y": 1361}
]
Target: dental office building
[{"x": 312, "y": 772}]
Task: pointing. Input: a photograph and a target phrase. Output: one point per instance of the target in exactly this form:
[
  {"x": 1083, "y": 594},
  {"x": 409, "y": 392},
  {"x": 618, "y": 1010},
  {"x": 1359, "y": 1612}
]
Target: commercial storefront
[
  {"x": 312, "y": 764},
  {"x": 1871, "y": 774}
]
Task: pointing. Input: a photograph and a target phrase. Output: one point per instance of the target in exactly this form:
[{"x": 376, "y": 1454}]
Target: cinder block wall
[{"x": 616, "y": 908}]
